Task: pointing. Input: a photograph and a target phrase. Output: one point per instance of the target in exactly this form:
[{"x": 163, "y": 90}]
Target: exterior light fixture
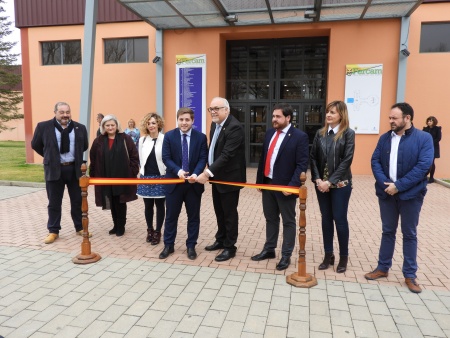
[
  {"x": 310, "y": 14},
  {"x": 405, "y": 52},
  {"x": 156, "y": 59},
  {"x": 231, "y": 18}
]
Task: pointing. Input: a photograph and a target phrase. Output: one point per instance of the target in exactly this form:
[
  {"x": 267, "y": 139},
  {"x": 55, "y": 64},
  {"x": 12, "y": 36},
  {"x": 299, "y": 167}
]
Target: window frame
[
  {"x": 129, "y": 55},
  {"x": 62, "y": 50}
]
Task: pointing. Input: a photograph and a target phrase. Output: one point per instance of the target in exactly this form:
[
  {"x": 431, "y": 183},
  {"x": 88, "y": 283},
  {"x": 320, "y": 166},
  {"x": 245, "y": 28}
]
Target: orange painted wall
[
  {"x": 428, "y": 80},
  {"x": 374, "y": 41},
  {"x": 126, "y": 90}
]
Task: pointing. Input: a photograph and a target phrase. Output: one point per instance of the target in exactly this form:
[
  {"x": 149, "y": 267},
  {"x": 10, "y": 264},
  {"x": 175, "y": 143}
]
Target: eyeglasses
[{"x": 214, "y": 109}]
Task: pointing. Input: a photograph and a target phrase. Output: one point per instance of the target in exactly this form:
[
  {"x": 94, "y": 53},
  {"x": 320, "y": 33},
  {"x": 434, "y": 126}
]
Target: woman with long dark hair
[
  {"x": 331, "y": 156},
  {"x": 436, "y": 134},
  {"x": 114, "y": 155}
]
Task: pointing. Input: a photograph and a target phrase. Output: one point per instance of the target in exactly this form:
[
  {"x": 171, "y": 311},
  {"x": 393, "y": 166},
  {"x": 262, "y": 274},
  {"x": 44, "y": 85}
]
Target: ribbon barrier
[{"x": 299, "y": 279}]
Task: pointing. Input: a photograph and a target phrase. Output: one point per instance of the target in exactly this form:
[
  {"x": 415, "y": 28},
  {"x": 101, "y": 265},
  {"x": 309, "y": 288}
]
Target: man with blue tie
[
  {"x": 284, "y": 158},
  {"x": 184, "y": 154}
]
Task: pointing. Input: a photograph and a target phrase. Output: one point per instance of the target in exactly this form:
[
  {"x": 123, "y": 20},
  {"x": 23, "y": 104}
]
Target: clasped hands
[{"x": 391, "y": 188}]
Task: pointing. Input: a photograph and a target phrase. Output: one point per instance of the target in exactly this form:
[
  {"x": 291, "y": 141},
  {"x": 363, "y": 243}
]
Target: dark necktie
[
  {"x": 270, "y": 153},
  {"x": 185, "y": 157},
  {"x": 331, "y": 132}
]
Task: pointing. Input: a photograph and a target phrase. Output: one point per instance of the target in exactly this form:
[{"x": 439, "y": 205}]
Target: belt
[{"x": 67, "y": 163}]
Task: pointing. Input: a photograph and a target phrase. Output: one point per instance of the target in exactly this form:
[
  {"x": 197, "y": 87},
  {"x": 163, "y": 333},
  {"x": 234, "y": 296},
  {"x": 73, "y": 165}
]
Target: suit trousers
[
  {"x": 273, "y": 206},
  {"x": 186, "y": 193},
  {"x": 55, "y": 194},
  {"x": 391, "y": 209},
  {"x": 225, "y": 207},
  {"x": 333, "y": 208}
]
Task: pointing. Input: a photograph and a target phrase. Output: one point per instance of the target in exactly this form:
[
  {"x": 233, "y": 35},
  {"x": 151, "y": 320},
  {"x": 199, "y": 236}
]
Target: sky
[{"x": 8, "y": 6}]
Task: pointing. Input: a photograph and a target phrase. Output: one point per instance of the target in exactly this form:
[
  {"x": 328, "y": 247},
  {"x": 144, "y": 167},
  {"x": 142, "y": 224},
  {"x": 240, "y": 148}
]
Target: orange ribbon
[{"x": 133, "y": 181}]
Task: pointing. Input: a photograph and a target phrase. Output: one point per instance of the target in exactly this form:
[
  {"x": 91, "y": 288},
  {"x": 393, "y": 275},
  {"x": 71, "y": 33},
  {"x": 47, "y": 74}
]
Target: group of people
[{"x": 401, "y": 160}]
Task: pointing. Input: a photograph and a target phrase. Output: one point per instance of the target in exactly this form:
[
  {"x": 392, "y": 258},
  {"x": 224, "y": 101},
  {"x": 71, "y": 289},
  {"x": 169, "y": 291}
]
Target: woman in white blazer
[{"x": 152, "y": 166}]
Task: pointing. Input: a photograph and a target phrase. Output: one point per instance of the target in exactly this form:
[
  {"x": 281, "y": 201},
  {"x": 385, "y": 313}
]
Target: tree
[{"x": 10, "y": 97}]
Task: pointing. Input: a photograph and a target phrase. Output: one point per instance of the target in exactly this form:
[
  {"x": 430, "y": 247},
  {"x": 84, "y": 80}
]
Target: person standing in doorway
[
  {"x": 284, "y": 158},
  {"x": 436, "y": 133},
  {"x": 184, "y": 153},
  {"x": 226, "y": 162},
  {"x": 61, "y": 141},
  {"x": 400, "y": 164}
]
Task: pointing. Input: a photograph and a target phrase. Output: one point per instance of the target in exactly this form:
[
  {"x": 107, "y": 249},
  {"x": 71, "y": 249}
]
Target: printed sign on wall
[
  {"x": 363, "y": 96},
  {"x": 191, "y": 86}
]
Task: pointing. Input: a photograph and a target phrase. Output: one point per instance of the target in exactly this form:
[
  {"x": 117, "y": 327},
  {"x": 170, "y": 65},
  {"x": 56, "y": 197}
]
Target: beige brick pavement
[{"x": 23, "y": 224}]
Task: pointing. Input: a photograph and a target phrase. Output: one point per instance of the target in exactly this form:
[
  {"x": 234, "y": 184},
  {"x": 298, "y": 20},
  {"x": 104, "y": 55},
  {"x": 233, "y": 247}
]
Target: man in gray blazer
[{"x": 61, "y": 142}]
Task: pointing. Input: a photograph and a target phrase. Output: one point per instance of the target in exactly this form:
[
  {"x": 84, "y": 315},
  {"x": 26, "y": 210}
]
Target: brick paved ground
[{"x": 23, "y": 224}]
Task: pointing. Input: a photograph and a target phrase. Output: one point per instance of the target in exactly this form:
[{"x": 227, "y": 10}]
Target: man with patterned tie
[
  {"x": 184, "y": 154},
  {"x": 226, "y": 162},
  {"x": 284, "y": 158}
]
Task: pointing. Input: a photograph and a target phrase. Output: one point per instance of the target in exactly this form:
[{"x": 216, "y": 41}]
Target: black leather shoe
[
  {"x": 263, "y": 255},
  {"x": 342, "y": 266},
  {"x": 191, "y": 253},
  {"x": 215, "y": 246},
  {"x": 166, "y": 252},
  {"x": 284, "y": 263},
  {"x": 327, "y": 261},
  {"x": 225, "y": 255}
]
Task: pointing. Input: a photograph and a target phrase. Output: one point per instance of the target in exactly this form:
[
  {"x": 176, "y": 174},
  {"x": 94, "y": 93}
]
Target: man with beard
[
  {"x": 284, "y": 158},
  {"x": 61, "y": 142},
  {"x": 400, "y": 164}
]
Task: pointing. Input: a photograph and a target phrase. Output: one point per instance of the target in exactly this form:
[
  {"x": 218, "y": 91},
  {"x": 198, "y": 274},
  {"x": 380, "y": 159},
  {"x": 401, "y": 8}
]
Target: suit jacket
[
  {"x": 45, "y": 144},
  {"x": 229, "y": 154},
  {"x": 172, "y": 156},
  {"x": 145, "y": 148},
  {"x": 291, "y": 161}
]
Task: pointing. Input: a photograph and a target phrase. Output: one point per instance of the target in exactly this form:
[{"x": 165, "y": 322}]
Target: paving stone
[
  {"x": 275, "y": 331},
  {"x": 128, "y": 298},
  {"x": 297, "y": 328},
  {"x": 300, "y": 313},
  {"x": 199, "y": 308},
  {"x": 162, "y": 303},
  {"x": 442, "y": 320},
  {"x": 420, "y": 312},
  {"x": 206, "y": 331},
  {"x": 85, "y": 318},
  {"x": 320, "y": 308},
  {"x": 436, "y": 307},
  {"x": 186, "y": 299},
  {"x": 231, "y": 329},
  {"x": 430, "y": 328},
  {"x": 317, "y": 295},
  {"x": 243, "y": 299},
  {"x": 69, "y": 331},
  {"x": 378, "y": 308},
  {"x": 138, "y": 308},
  {"x": 123, "y": 324},
  {"x": 364, "y": 329},
  {"x": 207, "y": 295},
  {"x": 338, "y": 303},
  {"x": 222, "y": 304},
  {"x": 352, "y": 287},
  {"x": 103, "y": 303},
  {"x": 175, "y": 313},
  {"x": 214, "y": 318},
  {"x": 384, "y": 323},
  {"x": 112, "y": 313},
  {"x": 279, "y": 303},
  {"x": 409, "y": 330},
  {"x": 164, "y": 328},
  {"x": 301, "y": 299},
  {"x": 320, "y": 323},
  {"x": 343, "y": 331},
  {"x": 150, "y": 318},
  {"x": 195, "y": 287},
  {"x": 336, "y": 290},
  {"x": 42, "y": 303},
  {"x": 96, "y": 329},
  {"x": 255, "y": 324},
  {"x": 14, "y": 308},
  {"x": 394, "y": 302},
  {"x": 360, "y": 313},
  {"x": 56, "y": 324},
  {"x": 20, "y": 318},
  {"x": 260, "y": 309},
  {"x": 356, "y": 299},
  {"x": 237, "y": 314},
  {"x": 262, "y": 295},
  {"x": 340, "y": 318},
  {"x": 138, "y": 332}
]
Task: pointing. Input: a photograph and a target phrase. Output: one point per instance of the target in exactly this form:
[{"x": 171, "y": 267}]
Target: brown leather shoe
[
  {"x": 375, "y": 274},
  {"x": 50, "y": 238},
  {"x": 412, "y": 285}
]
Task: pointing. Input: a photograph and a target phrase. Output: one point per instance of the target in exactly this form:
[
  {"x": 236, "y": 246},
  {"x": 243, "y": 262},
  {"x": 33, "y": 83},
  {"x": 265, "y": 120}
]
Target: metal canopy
[{"x": 181, "y": 14}]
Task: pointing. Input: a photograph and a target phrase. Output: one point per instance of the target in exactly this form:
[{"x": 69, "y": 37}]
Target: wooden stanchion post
[
  {"x": 301, "y": 279},
  {"x": 86, "y": 255}
]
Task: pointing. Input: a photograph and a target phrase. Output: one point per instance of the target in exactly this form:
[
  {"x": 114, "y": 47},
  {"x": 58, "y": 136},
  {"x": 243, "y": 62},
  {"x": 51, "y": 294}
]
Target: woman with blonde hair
[
  {"x": 114, "y": 155},
  {"x": 331, "y": 156},
  {"x": 152, "y": 166},
  {"x": 132, "y": 131}
]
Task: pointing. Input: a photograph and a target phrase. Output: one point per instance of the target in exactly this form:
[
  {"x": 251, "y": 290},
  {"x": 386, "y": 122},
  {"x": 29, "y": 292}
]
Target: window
[
  {"x": 126, "y": 50},
  {"x": 435, "y": 37},
  {"x": 61, "y": 52}
]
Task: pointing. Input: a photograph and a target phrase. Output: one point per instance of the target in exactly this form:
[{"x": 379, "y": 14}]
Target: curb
[
  {"x": 441, "y": 182},
  {"x": 22, "y": 184}
]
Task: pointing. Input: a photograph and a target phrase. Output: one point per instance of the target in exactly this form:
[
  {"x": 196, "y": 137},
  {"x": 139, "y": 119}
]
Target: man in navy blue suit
[
  {"x": 284, "y": 158},
  {"x": 184, "y": 153}
]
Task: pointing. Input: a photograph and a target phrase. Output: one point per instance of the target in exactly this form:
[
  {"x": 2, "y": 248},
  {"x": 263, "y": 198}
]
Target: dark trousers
[
  {"x": 273, "y": 206},
  {"x": 192, "y": 200},
  {"x": 391, "y": 209},
  {"x": 160, "y": 212},
  {"x": 333, "y": 207},
  {"x": 225, "y": 207},
  {"x": 118, "y": 212},
  {"x": 55, "y": 194}
]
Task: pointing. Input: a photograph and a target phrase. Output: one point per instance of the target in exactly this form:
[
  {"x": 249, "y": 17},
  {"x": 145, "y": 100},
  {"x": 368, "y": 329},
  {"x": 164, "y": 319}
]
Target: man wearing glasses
[{"x": 226, "y": 162}]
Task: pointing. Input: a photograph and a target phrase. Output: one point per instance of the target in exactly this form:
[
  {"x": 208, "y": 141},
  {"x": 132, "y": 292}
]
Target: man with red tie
[{"x": 284, "y": 158}]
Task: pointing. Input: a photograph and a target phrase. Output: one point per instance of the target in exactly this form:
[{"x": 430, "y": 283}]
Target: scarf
[
  {"x": 65, "y": 140},
  {"x": 116, "y": 165}
]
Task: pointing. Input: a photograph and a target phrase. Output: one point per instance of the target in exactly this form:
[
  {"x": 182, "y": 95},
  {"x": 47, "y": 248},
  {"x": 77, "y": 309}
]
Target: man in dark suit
[
  {"x": 61, "y": 142},
  {"x": 284, "y": 158},
  {"x": 226, "y": 162},
  {"x": 184, "y": 153}
]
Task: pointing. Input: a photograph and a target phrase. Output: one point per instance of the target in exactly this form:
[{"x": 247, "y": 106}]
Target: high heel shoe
[
  {"x": 342, "y": 266},
  {"x": 150, "y": 233},
  {"x": 327, "y": 261}
]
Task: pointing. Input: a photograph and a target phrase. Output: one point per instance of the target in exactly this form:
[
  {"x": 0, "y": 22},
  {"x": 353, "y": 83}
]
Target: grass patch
[{"x": 13, "y": 166}]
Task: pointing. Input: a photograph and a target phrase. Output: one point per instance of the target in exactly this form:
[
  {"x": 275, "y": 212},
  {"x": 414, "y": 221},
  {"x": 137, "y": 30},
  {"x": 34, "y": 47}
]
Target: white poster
[
  {"x": 191, "y": 86},
  {"x": 363, "y": 97}
]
